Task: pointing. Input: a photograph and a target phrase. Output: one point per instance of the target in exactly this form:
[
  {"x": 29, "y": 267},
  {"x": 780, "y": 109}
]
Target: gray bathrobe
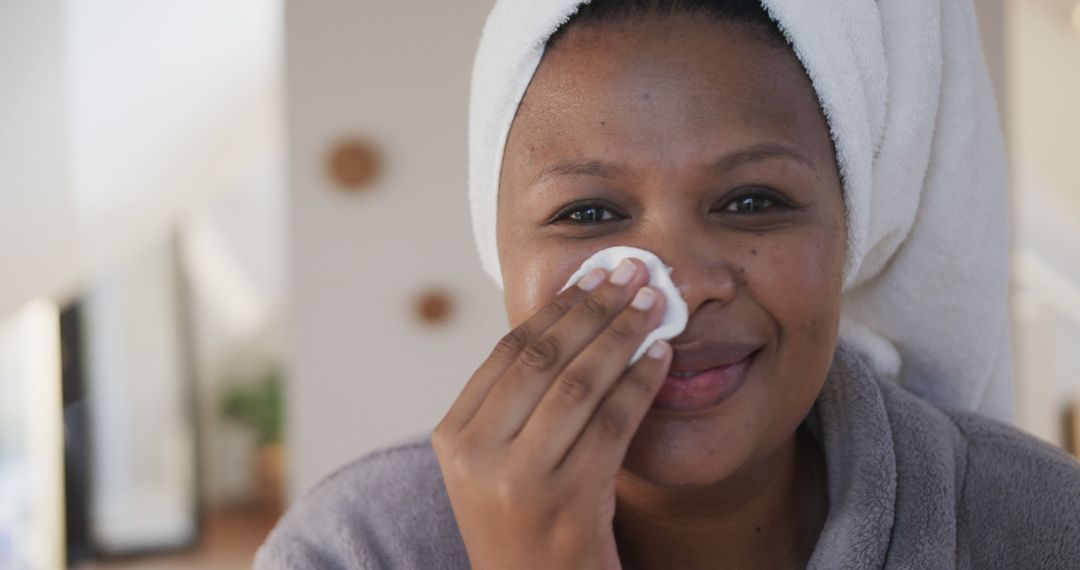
[{"x": 910, "y": 486}]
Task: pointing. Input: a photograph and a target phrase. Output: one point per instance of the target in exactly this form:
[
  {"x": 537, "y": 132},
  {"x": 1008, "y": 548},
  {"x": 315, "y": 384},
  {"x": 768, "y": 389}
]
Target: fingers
[
  {"x": 607, "y": 436},
  {"x": 513, "y": 398},
  {"x": 506, "y": 352},
  {"x": 573, "y": 397}
]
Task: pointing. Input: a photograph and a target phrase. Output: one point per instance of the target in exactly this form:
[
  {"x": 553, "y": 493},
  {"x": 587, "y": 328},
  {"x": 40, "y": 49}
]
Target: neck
[{"x": 767, "y": 515}]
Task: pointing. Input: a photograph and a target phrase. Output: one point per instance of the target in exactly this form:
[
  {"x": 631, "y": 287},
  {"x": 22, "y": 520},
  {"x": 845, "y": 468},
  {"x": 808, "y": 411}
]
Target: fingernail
[
  {"x": 623, "y": 273},
  {"x": 658, "y": 350},
  {"x": 644, "y": 299},
  {"x": 591, "y": 279}
]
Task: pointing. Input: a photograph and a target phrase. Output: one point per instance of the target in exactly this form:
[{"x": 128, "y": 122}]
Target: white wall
[
  {"x": 1044, "y": 87},
  {"x": 116, "y": 118},
  {"x": 363, "y": 372},
  {"x": 35, "y": 190},
  {"x": 171, "y": 103}
]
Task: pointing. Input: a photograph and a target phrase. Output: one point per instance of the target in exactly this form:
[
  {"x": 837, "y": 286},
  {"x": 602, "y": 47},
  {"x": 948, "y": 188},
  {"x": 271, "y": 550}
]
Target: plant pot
[{"x": 270, "y": 475}]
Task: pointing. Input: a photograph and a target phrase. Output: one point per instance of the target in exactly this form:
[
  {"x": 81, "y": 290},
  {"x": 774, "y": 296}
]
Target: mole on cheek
[
  {"x": 753, "y": 252},
  {"x": 645, "y": 96}
]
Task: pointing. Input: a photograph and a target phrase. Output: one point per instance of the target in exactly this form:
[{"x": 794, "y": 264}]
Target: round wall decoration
[
  {"x": 434, "y": 306},
  {"x": 354, "y": 164}
]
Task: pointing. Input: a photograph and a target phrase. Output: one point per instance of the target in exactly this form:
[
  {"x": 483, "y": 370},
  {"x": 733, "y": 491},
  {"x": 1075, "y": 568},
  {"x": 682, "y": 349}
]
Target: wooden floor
[{"x": 229, "y": 540}]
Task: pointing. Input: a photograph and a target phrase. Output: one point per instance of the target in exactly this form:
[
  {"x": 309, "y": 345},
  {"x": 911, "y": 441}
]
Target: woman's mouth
[{"x": 697, "y": 390}]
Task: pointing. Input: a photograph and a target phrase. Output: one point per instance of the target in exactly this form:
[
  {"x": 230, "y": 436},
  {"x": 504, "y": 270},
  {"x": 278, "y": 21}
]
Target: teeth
[{"x": 684, "y": 374}]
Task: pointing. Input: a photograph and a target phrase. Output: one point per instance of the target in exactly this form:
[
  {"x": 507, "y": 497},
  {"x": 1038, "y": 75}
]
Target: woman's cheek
[
  {"x": 538, "y": 280},
  {"x": 817, "y": 314},
  {"x": 798, "y": 281}
]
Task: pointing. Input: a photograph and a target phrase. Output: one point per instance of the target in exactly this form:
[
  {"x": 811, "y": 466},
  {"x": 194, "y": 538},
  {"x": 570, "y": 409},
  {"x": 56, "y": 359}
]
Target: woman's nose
[{"x": 701, "y": 273}]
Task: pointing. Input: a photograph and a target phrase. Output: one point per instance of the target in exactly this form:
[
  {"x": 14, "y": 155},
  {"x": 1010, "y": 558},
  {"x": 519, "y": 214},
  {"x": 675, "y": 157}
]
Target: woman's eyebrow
[
  {"x": 578, "y": 168},
  {"x": 757, "y": 153},
  {"x": 600, "y": 169}
]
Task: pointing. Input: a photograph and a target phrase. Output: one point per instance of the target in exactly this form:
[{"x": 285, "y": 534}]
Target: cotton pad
[{"x": 676, "y": 313}]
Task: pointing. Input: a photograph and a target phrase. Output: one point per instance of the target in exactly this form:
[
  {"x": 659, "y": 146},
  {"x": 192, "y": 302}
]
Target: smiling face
[{"x": 703, "y": 143}]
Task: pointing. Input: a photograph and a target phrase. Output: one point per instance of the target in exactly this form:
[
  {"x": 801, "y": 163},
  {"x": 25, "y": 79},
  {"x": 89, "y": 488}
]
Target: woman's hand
[{"x": 531, "y": 448}]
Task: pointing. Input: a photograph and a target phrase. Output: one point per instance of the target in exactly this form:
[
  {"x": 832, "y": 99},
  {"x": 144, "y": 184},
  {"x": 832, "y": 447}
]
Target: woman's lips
[{"x": 704, "y": 389}]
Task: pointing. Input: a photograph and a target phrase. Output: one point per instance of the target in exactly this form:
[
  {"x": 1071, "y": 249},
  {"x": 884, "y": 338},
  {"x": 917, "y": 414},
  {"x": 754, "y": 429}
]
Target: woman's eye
[
  {"x": 750, "y": 204},
  {"x": 587, "y": 214}
]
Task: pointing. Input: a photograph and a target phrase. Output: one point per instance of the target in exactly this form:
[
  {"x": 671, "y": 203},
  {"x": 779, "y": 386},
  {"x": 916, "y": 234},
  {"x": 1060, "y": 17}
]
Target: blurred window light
[
  {"x": 1048, "y": 285},
  {"x": 31, "y": 440},
  {"x": 142, "y": 466},
  {"x": 216, "y": 273}
]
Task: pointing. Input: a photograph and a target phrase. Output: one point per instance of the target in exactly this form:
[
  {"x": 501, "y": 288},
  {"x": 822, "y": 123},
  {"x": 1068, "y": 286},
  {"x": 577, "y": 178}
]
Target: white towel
[{"x": 908, "y": 98}]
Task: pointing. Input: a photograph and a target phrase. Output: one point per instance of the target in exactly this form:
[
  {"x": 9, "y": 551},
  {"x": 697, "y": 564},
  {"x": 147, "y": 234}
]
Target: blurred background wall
[
  {"x": 365, "y": 367},
  {"x": 1043, "y": 122},
  {"x": 235, "y": 245},
  {"x": 142, "y": 192}
]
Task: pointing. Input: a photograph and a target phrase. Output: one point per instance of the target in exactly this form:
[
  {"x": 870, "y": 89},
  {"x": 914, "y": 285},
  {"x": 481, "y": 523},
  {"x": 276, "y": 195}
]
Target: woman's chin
[
  {"x": 686, "y": 463},
  {"x": 663, "y": 477},
  {"x": 698, "y": 448}
]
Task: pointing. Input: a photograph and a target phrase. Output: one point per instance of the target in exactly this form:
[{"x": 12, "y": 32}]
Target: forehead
[{"x": 677, "y": 87}]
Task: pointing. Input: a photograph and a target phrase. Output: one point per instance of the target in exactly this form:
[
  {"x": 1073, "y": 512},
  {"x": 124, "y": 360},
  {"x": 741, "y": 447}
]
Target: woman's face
[{"x": 703, "y": 143}]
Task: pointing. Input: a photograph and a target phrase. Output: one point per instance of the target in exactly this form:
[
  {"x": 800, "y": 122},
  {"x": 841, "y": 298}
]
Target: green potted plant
[{"x": 257, "y": 404}]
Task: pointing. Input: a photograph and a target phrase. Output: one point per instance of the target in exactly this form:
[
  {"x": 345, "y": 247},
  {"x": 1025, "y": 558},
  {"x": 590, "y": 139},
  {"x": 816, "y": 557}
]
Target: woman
[{"x": 791, "y": 185}]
